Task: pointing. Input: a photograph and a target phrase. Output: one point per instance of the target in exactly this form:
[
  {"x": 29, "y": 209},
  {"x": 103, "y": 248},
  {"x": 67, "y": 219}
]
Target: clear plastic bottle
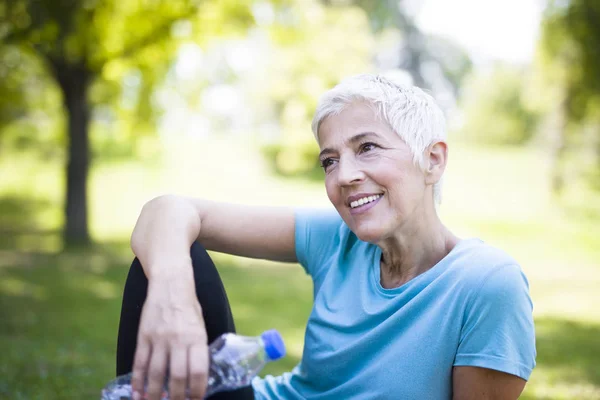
[{"x": 234, "y": 361}]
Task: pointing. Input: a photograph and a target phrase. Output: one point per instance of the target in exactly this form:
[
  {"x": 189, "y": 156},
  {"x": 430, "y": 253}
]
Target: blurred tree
[
  {"x": 569, "y": 59},
  {"x": 27, "y": 103},
  {"x": 419, "y": 53},
  {"x": 93, "y": 48},
  {"x": 386, "y": 13},
  {"x": 320, "y": 42},
  {"x": 314, "y": 47},
  {"x": 495, "y": 111}
]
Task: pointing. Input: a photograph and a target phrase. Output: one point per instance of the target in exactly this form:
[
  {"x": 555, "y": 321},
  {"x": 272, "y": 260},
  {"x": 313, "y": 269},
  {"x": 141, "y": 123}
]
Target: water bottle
[{"x": 234, "y": 361}]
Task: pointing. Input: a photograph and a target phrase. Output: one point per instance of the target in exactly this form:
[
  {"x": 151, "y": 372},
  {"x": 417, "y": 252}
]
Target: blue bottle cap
[{"x": 274, "y": 346}]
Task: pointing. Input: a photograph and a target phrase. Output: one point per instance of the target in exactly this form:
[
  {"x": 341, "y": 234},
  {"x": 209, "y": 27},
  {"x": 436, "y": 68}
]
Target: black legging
[{"x": 211, "y": 295}]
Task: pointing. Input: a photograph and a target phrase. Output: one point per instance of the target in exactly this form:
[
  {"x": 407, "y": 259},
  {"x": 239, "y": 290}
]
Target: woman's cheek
[{"x": 330, "y": 190}]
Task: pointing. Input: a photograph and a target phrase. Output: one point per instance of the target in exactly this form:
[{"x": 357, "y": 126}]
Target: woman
[{"x": 403, "y": 308}]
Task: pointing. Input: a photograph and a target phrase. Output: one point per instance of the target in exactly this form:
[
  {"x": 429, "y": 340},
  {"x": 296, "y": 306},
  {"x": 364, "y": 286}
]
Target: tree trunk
[{"x": 74, "y": 82}]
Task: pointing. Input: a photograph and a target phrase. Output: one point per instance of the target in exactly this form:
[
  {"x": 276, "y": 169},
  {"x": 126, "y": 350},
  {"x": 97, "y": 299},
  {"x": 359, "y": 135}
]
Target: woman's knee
[
  {"x": 208, "y": 285},
  {"x": 211, "y": 293},
  {"x": 206, "y": 275},
  {"x": 200, "y": 257}
]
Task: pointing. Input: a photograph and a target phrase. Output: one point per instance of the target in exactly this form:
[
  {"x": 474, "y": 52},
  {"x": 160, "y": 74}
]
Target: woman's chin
[{"x": 368, "y": 235}]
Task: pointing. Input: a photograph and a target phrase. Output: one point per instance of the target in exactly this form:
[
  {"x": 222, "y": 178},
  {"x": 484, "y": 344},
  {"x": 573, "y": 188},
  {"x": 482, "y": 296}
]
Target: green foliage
[
  {"x": 94, "y": 50},
  {"x": 319, "y": 44},
  {"x": 294, "y": 159},
  {"x": 570, "y": 44},
  {"x": 322, "y": 46},
  {"x": 30, "y": 104},
  {"x": 568, "y": 61},
  {"x": 127, "y": 47},
  {"x": 495, "y": 108}
]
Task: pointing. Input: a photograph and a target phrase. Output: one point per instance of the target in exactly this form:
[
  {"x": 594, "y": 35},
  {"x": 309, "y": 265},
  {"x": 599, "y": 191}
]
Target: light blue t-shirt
[{"x": 366, "y": 342}]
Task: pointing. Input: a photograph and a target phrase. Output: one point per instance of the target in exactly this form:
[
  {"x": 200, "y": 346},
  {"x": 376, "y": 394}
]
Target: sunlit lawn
[{"x": 59, "y": 312}]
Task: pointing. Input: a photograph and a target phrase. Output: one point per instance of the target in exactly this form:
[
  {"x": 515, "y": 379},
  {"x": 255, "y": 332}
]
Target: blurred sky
[{"x": 488, "y": 29}]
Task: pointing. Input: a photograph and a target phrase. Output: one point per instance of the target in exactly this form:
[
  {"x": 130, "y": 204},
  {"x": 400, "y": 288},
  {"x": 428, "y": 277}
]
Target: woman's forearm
[
  {"x": 171, "y": 332},
  {"x": 165, "y": 230}
]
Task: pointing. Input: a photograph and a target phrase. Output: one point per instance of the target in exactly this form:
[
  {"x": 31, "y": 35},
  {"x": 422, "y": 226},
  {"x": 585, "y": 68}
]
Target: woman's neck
[{"x": 414, "y": 250}]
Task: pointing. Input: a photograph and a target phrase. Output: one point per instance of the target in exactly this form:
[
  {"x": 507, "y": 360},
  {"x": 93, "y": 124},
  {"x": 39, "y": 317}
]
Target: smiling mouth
[{"x": 364, "y": 200}]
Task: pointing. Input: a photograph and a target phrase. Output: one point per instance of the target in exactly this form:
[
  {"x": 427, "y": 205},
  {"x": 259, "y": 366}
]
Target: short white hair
[{"x": 410, "y": 112}]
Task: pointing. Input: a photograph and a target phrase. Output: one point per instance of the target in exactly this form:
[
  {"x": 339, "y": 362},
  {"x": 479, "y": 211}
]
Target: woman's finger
[
  {"x": 156, "y": 372},
  {"x": 140, "y": 365},
  {"x": 198, "y": 371},
  {"x": 178, "y": 373}
]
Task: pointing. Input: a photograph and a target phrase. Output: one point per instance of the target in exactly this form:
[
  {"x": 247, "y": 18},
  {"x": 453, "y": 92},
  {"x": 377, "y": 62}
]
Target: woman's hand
[{"x": 171, "y": 335}]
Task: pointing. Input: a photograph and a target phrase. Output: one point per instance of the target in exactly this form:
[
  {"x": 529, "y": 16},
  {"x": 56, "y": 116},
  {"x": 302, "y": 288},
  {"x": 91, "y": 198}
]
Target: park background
[{"x": 105, "y": 104}]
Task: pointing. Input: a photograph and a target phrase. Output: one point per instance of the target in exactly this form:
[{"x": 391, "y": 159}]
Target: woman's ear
[{"x": 436, "y": 156}]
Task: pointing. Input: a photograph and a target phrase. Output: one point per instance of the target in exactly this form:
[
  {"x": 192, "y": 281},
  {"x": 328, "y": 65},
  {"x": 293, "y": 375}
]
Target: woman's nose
[{"x": 349, "y": 172}]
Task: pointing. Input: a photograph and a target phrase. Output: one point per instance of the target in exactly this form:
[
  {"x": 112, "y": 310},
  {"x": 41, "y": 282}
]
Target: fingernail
[{"x": 136, "y": 396}]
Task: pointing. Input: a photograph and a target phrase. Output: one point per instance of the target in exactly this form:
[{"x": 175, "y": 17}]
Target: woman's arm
[
  {"x": 168, "y": 225},
  {"x": 473, "y": 383},
  {"x": 172, "y": 331},
  {"x": 247, "y": 231}
]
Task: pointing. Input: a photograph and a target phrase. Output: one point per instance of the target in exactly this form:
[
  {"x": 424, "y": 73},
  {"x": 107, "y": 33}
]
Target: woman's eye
[
  {"x": 367, "y": 147},
  {"x": 326, "y": 163}
]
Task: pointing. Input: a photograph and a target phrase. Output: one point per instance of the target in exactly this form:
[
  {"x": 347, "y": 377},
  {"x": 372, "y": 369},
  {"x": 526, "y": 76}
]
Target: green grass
[
  {"x": 59, "y": 311},
  {"x": 60, "y": 319}
]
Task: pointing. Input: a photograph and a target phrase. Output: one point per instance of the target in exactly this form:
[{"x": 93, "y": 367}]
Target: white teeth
[{"x": 364, "y": 200}]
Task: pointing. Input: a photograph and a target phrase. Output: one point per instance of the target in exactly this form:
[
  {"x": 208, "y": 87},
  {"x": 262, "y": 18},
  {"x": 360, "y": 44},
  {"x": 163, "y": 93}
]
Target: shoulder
[
  {"x": 318, "y": 219},
  {"x": 323, "y": 232},
  {"x": 320, "y": 234},
  {"x": 489, "y": 275},
  {"x": 475, "y": 261},
  {"x": 319, "y": 226}
]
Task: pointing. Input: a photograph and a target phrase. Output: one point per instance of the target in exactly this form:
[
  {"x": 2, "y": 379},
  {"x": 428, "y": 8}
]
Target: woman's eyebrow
[
  {"x": 356, "y": 138},
  {"x": 361, "y": 136}
]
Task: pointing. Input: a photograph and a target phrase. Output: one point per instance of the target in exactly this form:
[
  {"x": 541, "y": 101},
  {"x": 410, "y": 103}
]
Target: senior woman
[{"x": 403, "y": 308}]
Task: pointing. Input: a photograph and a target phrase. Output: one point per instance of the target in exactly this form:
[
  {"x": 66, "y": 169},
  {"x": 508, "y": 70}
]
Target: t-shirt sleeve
[
  {"x": 317, "y": 235},
  {"x": 498, "y": 332}
]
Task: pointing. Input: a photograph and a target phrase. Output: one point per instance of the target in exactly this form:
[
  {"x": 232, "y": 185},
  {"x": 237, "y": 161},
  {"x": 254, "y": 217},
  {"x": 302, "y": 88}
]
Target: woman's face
[{"x": 370, "y": 176}]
